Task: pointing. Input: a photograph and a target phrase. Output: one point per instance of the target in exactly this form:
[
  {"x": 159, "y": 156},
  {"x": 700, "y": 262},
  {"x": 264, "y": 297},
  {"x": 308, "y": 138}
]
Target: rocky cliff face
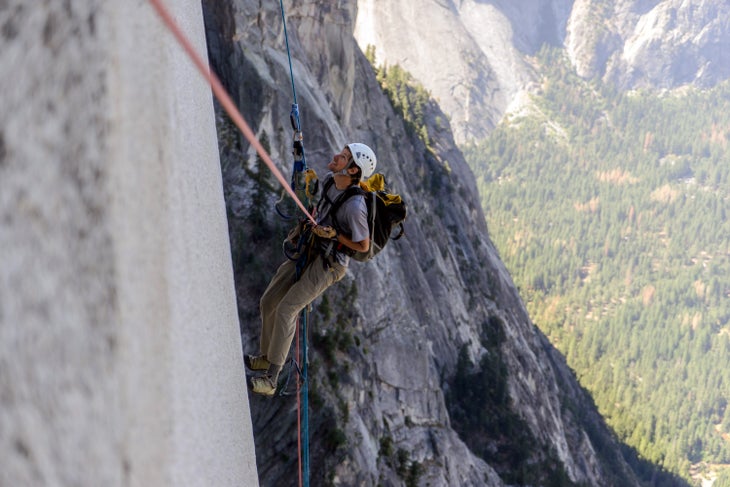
[
  {"x": 660, "y": 44},
  {"x": 474, "y": 56},
  {"x": 425, "y": 369},
  {"x": 471, "y": 55}
]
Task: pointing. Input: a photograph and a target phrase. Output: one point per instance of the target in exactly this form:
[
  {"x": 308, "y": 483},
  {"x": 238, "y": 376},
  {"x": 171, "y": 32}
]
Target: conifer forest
[{"x": 610, "y": 209}]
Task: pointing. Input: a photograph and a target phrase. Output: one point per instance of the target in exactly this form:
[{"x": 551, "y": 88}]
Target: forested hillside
[{"x": 611, "y": 212}]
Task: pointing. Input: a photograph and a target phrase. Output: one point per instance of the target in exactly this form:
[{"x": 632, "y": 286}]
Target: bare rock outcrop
[{"x": 425, "y": 361}]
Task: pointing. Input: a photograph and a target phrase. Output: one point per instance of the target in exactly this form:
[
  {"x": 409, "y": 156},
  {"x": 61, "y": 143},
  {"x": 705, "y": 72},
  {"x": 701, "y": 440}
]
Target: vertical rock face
[
  {"x": 58, "y": 310},
  {"x": 471, "y": 55},
  {"x": 661, "y": 44},
  {"x": 425, "y": 363},
  {"x": 120, "y": 359},
  {"x": 474, "y": 56}
]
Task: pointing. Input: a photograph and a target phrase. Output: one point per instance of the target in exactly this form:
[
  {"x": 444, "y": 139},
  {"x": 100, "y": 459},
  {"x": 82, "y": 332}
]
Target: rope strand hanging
[
  {"x": 300, "y": 165},
  {"x": 225, "y": 100},
  {"x": 300, "y": 162},
  {"x": 288, "y": 53}
]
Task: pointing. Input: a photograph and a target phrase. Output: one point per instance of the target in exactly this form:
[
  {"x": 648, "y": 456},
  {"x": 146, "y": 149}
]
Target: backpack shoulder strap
[
  {"x": 346, "y": 195},
  {"x": 341, "y": 199},
  {"x": 325, "y": 189}
]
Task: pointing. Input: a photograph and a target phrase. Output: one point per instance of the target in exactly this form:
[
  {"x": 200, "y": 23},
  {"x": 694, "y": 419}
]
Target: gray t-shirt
[{"x": 352, "y": 218}]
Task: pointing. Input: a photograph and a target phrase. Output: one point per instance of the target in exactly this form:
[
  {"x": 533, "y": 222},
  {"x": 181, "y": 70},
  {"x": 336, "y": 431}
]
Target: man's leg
[
  {"x": 277, "y": 289},
  {"x": 313, "y": 282}
]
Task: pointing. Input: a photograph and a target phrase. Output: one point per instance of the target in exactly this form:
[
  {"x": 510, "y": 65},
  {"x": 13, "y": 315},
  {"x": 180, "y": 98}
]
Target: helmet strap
[{"x": 350, "y": 163}]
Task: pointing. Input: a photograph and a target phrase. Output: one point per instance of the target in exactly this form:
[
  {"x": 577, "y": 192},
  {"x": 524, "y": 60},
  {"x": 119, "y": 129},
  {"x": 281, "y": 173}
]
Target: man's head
[
  {"x": 364, "y": 158},
  {"x": 356, "y": 161}
]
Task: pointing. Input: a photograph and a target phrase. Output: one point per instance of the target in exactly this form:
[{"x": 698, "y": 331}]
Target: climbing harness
[{"x": 292, "y": 188}]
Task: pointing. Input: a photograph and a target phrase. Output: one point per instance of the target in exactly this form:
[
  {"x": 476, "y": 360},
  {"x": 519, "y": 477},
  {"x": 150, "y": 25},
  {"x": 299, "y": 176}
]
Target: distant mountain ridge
[
  {"x": 475, "y": 57},
  {"x": 651, "y": 44}
]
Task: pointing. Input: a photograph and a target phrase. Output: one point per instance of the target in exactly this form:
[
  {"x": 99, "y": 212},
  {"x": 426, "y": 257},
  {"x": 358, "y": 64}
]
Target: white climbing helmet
[{"x": 364, "y": 158}]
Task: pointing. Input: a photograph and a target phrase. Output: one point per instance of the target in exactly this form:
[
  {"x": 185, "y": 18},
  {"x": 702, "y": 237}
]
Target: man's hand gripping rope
[{"x": 325, "y": 232}]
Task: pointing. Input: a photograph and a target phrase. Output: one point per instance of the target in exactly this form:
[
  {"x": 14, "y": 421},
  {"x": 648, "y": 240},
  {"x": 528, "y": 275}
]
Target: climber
[{"x": 286, "y": 295}]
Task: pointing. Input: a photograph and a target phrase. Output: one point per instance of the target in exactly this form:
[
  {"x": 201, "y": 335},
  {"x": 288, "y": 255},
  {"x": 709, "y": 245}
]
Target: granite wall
[{"x": 120, "y": 351}]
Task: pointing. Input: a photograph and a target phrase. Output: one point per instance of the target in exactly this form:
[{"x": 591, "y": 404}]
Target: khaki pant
[{"x": 284, "y": 299}]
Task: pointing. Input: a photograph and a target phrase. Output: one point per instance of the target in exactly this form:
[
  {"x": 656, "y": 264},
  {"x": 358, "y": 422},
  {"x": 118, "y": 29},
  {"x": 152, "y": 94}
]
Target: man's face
[{"x": 340, "y": 161}]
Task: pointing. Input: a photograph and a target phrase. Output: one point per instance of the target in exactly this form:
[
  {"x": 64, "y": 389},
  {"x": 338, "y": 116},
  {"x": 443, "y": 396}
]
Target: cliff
[
  {"x": 475, "y": 57},
  {"x": 120, "y": 353},
  {"x": 639, "y": 44},
  {"x": 426, "y": 367},
  {"x": 120, "y": 357}
]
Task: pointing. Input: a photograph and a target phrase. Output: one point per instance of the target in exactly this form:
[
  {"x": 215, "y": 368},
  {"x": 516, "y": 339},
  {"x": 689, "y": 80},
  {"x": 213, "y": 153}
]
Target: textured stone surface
[
  {"x": 120, "y": 358},
  {"x": 662, "y": 44},
  {"x": 418, "y": 304},
  {"x": 470, "y": 54},
  {"x": 474, "y": 56}
]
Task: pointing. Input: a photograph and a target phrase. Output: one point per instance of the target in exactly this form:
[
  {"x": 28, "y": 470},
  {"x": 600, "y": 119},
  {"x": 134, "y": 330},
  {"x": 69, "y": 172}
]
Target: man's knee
[
  {"x": 287, "y": 313},
  {"x": 268, "y": 301}
]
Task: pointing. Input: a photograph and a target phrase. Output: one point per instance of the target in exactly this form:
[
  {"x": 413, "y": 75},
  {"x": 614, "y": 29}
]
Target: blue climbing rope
[
  {"x": 298, "y": 184},
  {"x": 288, "y": 52},
  {"x": 300, "y": 166},
  {"x": 305, "y": 400}
]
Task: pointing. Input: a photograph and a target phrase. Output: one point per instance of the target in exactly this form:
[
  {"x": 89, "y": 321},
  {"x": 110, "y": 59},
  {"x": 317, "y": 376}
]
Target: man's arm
[
  {"x": 328, "y": 232},
  {"x": 358, "y": 219},
  {"x": 359, "y": 224},
  {"x": 361, "y": 246}
]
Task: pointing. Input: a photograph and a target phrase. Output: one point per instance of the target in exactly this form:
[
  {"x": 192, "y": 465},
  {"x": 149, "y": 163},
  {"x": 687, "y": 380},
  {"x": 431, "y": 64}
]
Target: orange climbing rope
[
  {"x": 299, "y": 413},
  {"x": 225, "y": 100},
  {"x": 230, "y": 108}
]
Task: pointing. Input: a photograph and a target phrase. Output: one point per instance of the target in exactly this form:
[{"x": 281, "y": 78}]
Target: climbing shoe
[
  {"x": 256, "y": 362},
  {"x": 264, "y": 385}
]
